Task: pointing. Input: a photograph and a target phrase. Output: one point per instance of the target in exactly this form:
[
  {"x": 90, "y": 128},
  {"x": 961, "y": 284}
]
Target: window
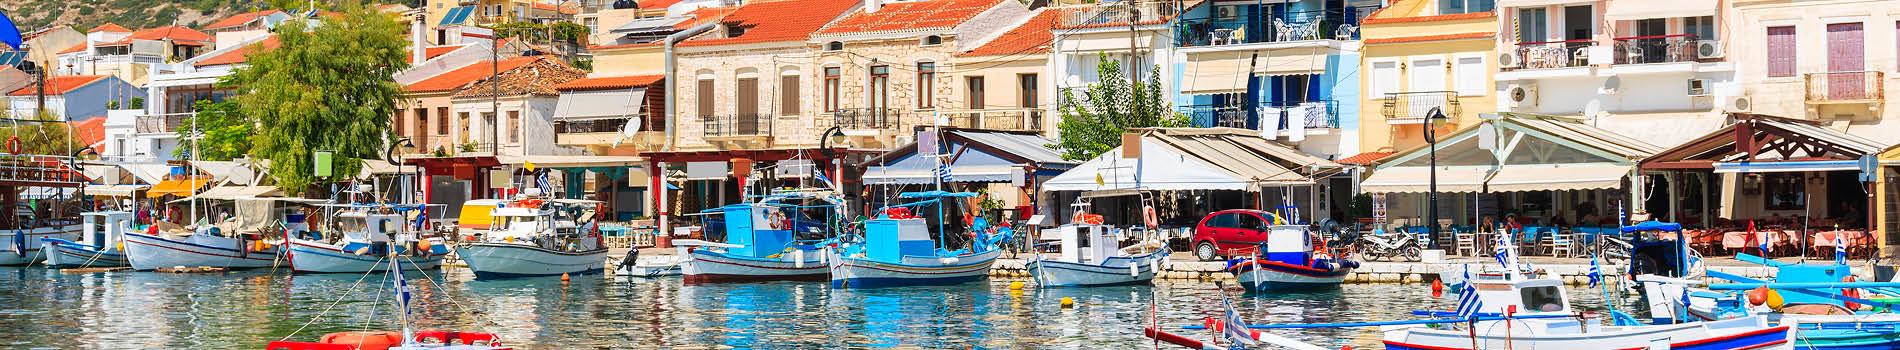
[
  {"x": 1542, "y": 299},
  {"x": 442, "y": 124},
  {"x": 880, "y": 88},
  {"x": 1533, "y": 25},
  {"x": 747, "y": 92},
  {"x": 1781, "y": 51},
  {"x": 932, "y": 40},
  {"x": 1026, "y": 90},
  {"x": 1452, "y": 7},
  {"x": 834, "y": 46},
  {"x": 831, "y": 88},
  {"x": 975, "y": 87},
  {"x": 1784, "y": 191},
  {"x": 705, "y": 98},
  {"x": 1385, "y": 78},
  {"x": 422, "y": 124},
  {"x": 926, "y": 85},
  {"x": 1703, "y": 28},
  {"x": 1426, "y": 75},
  {"x": 1470, "y": 76},
  {"x": 788, "y": 94},
  {"x": 1228, "y": 220},
  {"x": 1250, "y": 222},
  {"x": 735, "y": 31},
  {"x": 514, "y": 127}
]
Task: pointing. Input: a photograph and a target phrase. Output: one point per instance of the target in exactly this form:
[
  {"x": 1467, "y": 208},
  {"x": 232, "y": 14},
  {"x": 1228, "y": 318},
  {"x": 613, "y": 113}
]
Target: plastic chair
[
  {"x": 1561, "y": 244},
  {"x": 1467, "y": 242}
]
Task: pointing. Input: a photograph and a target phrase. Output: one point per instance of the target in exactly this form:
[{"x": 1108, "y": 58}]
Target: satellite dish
[
  {"x": 1590, "y": 110},
  {"x": 1074, "y": 80},
  {"x": 1610, "y": 85}
]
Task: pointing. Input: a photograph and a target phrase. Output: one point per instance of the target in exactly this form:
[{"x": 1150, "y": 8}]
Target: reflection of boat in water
[
  {"x": 897, "y": 248},
  {"x": 359, "y": 240},
  {"x": 535, "y": 237},
  {"x": 770, "y": 239},
  {"x": 406, "y": 339},
  {"x": 1090, "y": 257},
  {"x": 23, "y": 243},
  {"x": 100, "y": 243}
]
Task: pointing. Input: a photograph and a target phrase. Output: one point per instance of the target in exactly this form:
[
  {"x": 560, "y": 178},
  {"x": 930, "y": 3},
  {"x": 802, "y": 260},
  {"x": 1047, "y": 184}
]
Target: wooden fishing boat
[
  {"x": 407, "y": 339},
  {"x": 536, "y": 237},
  {"x": 1288, "y": 261},
  {"x": 1818, "y": 299},
  {"x": 23, "y": 242},
  {"x": 1538, "y": 316},
  {"x": 897, "y": 248},
  {"x": 770, "y": 239},
  {"x": 101, "y": 242},
  {"x": 1089, "y": 256},
  {"x": 357, "y": 238}
]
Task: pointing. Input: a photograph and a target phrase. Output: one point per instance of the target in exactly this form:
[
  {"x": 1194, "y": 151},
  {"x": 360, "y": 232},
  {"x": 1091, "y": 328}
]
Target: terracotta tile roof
[
  {"x": 537, "y": 78},
  {"x": 622, "y": 46},
  {"x": 1364, "y": 158},
  {"x": 551, "y": 7},
  {"x": 177, "y": 33},
  {"x": 455, "y": 79},
  {"x": 75, "y": 48},
  {"x": 1442, "y": 37},
  {"x": 388, "y": 7},
  {"x": 237, "y": 55},
  {"x": 1030, "y": 38},
  {"x": 777, "y": 21},
  {"x": 88, "y": 132},
  {"x": 911, "y": 15},
  {"x": 109, "y": 27},
  {"x": 605, "y": 83},
  {"x": 240, "y": 19},
  {"x": 656, "y": 4},
  {"x": 429, "y": 53},
  {"x": 703, "y": 15},
  {"x": 60, "y": 85}
]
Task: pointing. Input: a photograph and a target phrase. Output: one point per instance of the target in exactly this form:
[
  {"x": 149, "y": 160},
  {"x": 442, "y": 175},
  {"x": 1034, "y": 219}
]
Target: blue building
[{"x": 74, "y": 97}]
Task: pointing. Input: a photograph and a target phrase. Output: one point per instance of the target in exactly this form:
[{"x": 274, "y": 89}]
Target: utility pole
[
  {"x": 494, "y": 92},
  {"x": 1134, "y": 80}
]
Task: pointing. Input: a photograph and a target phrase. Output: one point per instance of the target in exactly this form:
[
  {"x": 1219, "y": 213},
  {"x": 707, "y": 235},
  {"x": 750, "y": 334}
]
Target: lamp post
[{"x": 1434, "y": 118}]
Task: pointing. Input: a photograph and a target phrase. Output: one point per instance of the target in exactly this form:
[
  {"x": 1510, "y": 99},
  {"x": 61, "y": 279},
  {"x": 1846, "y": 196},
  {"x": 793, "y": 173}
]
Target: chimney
[
  {"x": 417, "y": 46},
  {"x": 871, "y": 6}
]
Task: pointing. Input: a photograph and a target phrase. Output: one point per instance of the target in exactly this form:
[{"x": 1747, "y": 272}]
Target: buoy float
[
  {"x": 1068, "y": 302},
  {"x": 1851, "y": 293},
  {"x": 1774, "y": 300},
  {"x": 1437, "y": 286},
  {"x": 372, "y": 340},
  {"x": 1758, "y": 296},
  {"x": 1017, "y": 285},
  {"x": 564, "y": 278}
]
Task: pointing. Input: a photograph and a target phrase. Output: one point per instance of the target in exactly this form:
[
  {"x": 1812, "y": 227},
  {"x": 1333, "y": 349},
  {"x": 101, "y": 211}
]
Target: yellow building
[
  {"x": 1421, "y": 54},
  {"x": 1887, "y": 200}
]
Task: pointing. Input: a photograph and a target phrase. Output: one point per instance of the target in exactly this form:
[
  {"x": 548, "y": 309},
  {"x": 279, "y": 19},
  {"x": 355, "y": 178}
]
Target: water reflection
[{"x": 51, "y": 310}]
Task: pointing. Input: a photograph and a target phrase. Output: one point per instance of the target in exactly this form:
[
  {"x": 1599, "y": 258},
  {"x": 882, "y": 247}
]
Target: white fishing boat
[
  {"x": 101, "y": 242},
  {"x": 654, "y": 266},
  {"x": 358, "y": 239},
  {"x": 1456, "y": 271},
  {"x": 23, "y": 243},
  {"x": 1536, "y": 314},
  {"x": 897, "y": 248},
  {"x": 1289, "y": 262},
  {"x": 762, "y": 241},
  {"x": 534, "y": 237},
  {"x": 249, "y": 240},
  {"x": 1089, "y": 256}
]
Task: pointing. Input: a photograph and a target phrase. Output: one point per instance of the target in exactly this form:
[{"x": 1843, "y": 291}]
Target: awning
[
  {"x": 1101, "y": 43},
  {"x": 574, "y": 161},
  {"x": 234, "y": 193},
  {"x": 1782, "y": 167},
  {"x": 1219, "y": 75},
  {"x": 115, "y": 190},
  {"x": 1159, "y": 168},
  {"x": 1660, "y": 9},
  {"x": 1418, "y": 179},
  {"x": 147, "y": 173},
  {"x": 599, "y": 104},
  {"x": 181, "y": 188},
  {"x": 878, "y": 175},
  {"x": 1293, "y": 61},
  {"x": 1557, "y": 178},
  {"x": 1538, "y": 3}
]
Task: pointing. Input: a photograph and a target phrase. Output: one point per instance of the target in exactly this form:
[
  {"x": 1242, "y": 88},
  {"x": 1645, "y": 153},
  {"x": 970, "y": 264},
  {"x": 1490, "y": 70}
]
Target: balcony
[
  {"x": 1846, "y": 87},
  {"x": 165, "y": 123},
  {"x": 1145, "y": 13},
  {"x": 1413, "y": 107},
  {"x": 866, "y": 118},
  {"x": 736, "y": 125},
  {"x": 1333, "y": 24},
  {"x": 1014, "y": 119},
  {"x": 1552, "y": 54},
  {"x": 1656, "y": 49},
  {"x": 38, "y": 170},
  {"x": 1280, "y": 116}
]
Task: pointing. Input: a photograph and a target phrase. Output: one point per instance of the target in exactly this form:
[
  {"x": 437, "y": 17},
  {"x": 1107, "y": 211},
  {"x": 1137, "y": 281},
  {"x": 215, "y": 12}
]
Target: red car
[{"x": 1231, "y": 232}]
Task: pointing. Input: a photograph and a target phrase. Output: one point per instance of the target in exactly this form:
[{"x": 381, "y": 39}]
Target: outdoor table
[{"x": 1826, "y": 239}]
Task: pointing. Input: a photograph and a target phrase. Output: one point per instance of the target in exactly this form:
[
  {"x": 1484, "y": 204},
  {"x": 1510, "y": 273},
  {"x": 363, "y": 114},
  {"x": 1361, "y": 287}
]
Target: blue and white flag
[
  {"x": 1235, "y": 329},
  {"x": 402, "y": 288},
  {"x": 820, "y": 175},
  {"x": 9, "y": 33},
  {"x": 1504, "y": 240},
  {"x": 541, "y": 181},
  {"x": 1468, "y": 303},
  {"x": 943, "y": 173},
  {"x": 1596, "y": 272},
  {"x": 1840, "y": 248}
]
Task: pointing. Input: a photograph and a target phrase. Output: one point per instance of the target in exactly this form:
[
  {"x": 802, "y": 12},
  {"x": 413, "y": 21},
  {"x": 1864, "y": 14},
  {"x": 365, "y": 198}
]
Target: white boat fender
[
  {"x": 949, "y": 260},
  {"x": 798, "y": 258},
  {"x": 1134, "y": 268}
]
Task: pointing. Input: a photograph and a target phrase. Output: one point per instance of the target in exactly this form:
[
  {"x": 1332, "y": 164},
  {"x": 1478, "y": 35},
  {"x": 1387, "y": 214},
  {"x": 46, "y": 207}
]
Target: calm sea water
[{"x": 43, "y": 309}]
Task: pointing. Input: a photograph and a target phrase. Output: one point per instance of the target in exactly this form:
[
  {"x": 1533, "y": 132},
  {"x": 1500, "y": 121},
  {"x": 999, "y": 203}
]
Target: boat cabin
[
  {"x": 1086, "y": 243},
  {"x": 1526, "y": 296},
  {"x": 900, "y": 231},
  {"x": 761, "y": 229},
  {"x": 1289, "y": 244},
  {"x": 104, "y": 228}
]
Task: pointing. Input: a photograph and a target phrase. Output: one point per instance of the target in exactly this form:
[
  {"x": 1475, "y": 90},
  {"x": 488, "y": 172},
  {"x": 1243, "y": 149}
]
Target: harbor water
[{"x": 46, "y": 309}]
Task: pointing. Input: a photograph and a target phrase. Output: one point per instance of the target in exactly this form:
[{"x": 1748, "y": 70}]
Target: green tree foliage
[
  {"x": 50, "y": 137},
  {"x": 225, "y": 131},
  {"x": 325, "y": 88},
  {"x": 1094, "y": 123},
  {"x": 569, "y": 31}
]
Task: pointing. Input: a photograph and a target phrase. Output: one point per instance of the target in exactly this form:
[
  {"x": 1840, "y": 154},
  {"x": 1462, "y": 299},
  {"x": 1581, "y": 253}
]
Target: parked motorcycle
[{"x": 1388, "y": 245}]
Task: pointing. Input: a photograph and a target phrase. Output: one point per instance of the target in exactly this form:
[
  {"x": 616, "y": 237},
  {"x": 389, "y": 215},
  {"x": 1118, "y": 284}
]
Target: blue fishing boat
[
  {"x": 101, "y": 242},
  {"x": 1287, "y": 260},
  {"x": 899, "y": 248},
  {"x": 1821, "y": 300},
  {"x": 773, "y": 238}
]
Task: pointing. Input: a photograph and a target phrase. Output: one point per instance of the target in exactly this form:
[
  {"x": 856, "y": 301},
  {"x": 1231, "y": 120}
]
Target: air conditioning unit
[
  {"x": 1698, "y": 87},
  {"x": 1522, "y": 95},
  {"x": 1738, "y": 104},
  {"x": 1706, "y": 49},
  {"x": 1224, "y": 11},
  {"x": 1509, "y": 59}
]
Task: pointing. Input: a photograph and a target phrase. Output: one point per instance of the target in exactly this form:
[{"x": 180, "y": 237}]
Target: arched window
[
  {"x": 932, "y": 40},
  {"x": 834, "y": 46}
]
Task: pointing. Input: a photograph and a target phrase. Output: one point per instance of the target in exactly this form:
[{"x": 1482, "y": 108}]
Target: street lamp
[{"x": 1434, "y": 118}]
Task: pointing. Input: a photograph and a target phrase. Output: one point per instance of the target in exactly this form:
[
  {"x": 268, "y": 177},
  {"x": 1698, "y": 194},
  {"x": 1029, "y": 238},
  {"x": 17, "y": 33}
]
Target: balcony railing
[
  {"x": 1554, "y": 54},
  {"x": 1150, "y": 12},
  {"x": 998, "y": 119},
  {"x": 730, "y": 125},
  {"x": 866, "y": 118},
  {"x": 38, "y": 170},
  {"x": 151, "y": 124},
  {"x": 1279, "y": 115},
  {"x": 1418, "y": 105},
  {"x": 1337, "y": 24},
  {"x": 1655, "y": 49},
  {"x": 1846, "y": 87}
]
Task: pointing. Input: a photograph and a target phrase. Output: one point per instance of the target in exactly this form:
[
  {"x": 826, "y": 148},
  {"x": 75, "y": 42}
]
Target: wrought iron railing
[
  {"x": 39, "y": 169},
  {"x": 749, "y": 124},
  {"x": 1146, "y": 12},
  {"x": 1655, "y": 49},
  {"x": 1278, "y": 115},
  {"x": 866, "y": 118},
  {"x": 1338, "y": 24},
  {"x": 163, "y": 123},
  {"x": 1553, "y": 54},
  {"x": 1418, "y": 105},
  {"x": 998, "y": 119},
  {"x": 1846, "y": 86}
]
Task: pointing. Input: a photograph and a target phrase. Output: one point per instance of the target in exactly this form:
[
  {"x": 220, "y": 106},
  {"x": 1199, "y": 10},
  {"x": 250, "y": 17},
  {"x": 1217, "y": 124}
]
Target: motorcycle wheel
[{"x": 1411, "y": 253}]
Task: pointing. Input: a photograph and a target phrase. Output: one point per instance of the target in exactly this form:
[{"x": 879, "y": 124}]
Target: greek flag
[
  {"x": 1504, "y": 240},
  {"x": 820, "y": 175},
  {"x": 1468, "y": 304},
  {"x": 943, "y": 173},
  {"x": 402, "y": 287},
  {"x": 1840, "y": 248},
  {"x": 1236, "y": 328},
  {"x": 1596, "y": 272},
  {"x": 541, "y": 181}
]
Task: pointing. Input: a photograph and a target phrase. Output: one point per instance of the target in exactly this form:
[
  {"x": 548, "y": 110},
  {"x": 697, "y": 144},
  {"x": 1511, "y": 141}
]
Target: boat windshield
[
  {"x": 507, "y": 221},
  {"x": 351, "y": 224},
  {"x": 1543, "y": 299}
]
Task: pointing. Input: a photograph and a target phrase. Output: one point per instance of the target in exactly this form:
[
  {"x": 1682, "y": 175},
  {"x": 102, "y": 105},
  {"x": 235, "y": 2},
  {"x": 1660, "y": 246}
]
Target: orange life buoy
[
  {"x": 371, "y": 340},
  {"x": 13, "y": 145},
  {"x": 1851, "y": 293},
  {"x": 1148, "y": 216}
]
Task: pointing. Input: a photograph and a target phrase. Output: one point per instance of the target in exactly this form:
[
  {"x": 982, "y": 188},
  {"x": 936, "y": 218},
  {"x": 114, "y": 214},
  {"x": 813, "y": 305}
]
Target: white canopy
[
  {"x": 114, "y": 190},
  {"x": 1418, "y": 179},
  {"x": 1660, "y": 9},
  {"x": 1160, "y": 168},
  {"x": 1542, "y": 177},
  {"x": 599, "y": 104}
]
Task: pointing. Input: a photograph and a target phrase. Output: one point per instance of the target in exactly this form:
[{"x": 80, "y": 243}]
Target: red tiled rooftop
[
  {"x": 60, "y": 85},
  {"x": 604, "y": 83},
  {"x": 550, "y": 7},
  {"x": 1364, "y": 158},
  {"x": 455, "y": 79},
  {"x": 75, "y": 48},
  {"x": 88, "y": 132},
  {"x": 170, "y": 32},
  {"x": 432, "y": 52},
  {"x": 703, "y": 15},
  {"x": 656, "y": 4},
  {"x": 778, "y": 21},
  {"x": 1030, "y": 38},
  {"x": 109, "y": 27},
  {"x": 238, "y": 55},
  {"x": 912, "y": 15},
  {"x": 239, "y": 19}
]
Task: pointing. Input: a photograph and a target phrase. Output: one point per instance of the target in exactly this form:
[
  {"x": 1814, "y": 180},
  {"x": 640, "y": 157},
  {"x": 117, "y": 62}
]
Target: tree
[
  {"x": 1109, "y": 108},
  {"x": 326, "y": 87},
  {"x": 225, "y": 130},
  {"x": 47, "y": 137},
  {"x": 569, "y": 31}
]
